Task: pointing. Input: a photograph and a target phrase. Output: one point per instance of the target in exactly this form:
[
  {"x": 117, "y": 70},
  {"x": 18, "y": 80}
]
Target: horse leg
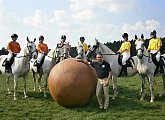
[
  {"x": 15, "y": 86},
  {"x": 151, "y": 80},
  {"x": 8, "y": 85},
  {"x": 142, "y": 79},
  {"x": 45, "y": 84},
  {"x": 34, "y": 80},
  {"x": 163, "y": 91},
  {"x": 114, "y": 82},
  {"x": 39, "y": 81},
  {"x": 25, "y": 79}
]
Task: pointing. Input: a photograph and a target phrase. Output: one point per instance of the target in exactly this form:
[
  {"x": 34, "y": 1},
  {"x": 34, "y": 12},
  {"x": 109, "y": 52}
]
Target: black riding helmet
[
  {"x": 154, "y": 32},
  {"x": 41, "y": 37},
  {"x": 82, "y": 39},
  {"x": 14, "y": 36},
  {"x": 63, "y": 38},
  {"x": 124, "y": 35}
]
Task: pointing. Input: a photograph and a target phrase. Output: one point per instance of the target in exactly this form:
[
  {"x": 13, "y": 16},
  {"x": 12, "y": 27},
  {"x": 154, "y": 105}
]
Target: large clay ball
[{"x": 72, "y": 83}]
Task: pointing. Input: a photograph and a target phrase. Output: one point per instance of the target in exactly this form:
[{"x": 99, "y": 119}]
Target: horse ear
[
  {"x": 142, "y": 36},
  {"x": 34, "y": 39},
  {"x": 136, "y": 37},
  {"x": 96, "y": 41},
  {"x": 28, "y": 39}
]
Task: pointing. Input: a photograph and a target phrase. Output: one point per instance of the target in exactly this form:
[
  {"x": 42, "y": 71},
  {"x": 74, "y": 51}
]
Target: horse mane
[
  {"x": 51, "y": 52},
  {"x": 106, "y": 49},
  {"x": 23, "y": 51},
  {"x": 145, "y": 51}
]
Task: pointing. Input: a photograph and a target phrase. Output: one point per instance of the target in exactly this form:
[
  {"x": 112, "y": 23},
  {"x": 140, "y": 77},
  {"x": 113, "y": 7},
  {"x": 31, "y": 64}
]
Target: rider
[
  {"x": 62, "y": 42},
  {"x": 14, "y": 48},
  {"x": 42, "y": 49},
  {"x": 82, "y": 39},
  {"x": 125, "y": 51},
  {"x": 154, "y": 48}
]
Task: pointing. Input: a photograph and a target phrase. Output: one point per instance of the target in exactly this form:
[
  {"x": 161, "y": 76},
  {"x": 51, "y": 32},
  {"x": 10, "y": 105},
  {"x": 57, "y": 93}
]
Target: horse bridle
[
  {"x": 149, "y": 56},
  {"x": 28, "y": 55},
  {"x": 97, "y": 46}
]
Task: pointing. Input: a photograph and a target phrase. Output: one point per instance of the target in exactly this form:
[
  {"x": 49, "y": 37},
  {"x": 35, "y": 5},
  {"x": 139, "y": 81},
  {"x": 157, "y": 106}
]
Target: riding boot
[
  {"x": 38, "y": 68},
  {"x": 124, "y": 70},
  {"x": 7, "y": 66},
  {"x": 161, "y": 64}
]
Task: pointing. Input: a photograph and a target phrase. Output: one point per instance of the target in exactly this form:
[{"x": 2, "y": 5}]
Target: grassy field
[{"x": 125, "y": 106}]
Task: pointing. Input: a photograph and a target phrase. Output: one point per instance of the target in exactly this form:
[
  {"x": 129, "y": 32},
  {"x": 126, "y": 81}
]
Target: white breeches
[
  {"x": 10, "y": 55},
  {"x": 126, "y": 56},
  {"x": 157, "y": 56},
  {"x": 39, "y": 58}
]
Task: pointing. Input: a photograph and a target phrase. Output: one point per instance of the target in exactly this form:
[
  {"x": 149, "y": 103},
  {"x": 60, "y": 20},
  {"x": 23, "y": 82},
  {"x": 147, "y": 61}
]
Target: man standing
[{"x": 104, "y": 74}]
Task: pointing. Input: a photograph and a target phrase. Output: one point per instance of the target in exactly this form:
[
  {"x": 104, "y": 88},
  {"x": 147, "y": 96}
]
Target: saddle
[
  {"x": 129, "y": 63},
  {"x": 39, "y": 66},
  {"x": 7, "y": 64},
  {"x": 157, "y": 64}
]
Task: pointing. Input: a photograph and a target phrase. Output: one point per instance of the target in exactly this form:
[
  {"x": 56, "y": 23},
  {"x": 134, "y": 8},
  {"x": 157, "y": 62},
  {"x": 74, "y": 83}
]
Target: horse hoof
[
  {"x": 26, "y": 96},
  {"x": 45, "y": 95},
  {"x": 151, "y": 101},
  {"x": 113, "y": 98},
  {"x": 160, "y": 95},
  {"x": 141, "y": 99},
  {"x": 15, "y": 98}
]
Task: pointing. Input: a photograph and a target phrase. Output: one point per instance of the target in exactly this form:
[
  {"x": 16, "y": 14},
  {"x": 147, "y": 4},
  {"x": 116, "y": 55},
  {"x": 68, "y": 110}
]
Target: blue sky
[{"x": 104, "y": 19}]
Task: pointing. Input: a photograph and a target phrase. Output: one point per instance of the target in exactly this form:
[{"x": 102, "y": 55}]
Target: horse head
[
  {"x": 62, "y": 52},
  {"x": 94, "y": 49},
  {"x": 139, "y": 44},
  {"x": 31, "y": 48},
  {"x": 80, "y": 51}
]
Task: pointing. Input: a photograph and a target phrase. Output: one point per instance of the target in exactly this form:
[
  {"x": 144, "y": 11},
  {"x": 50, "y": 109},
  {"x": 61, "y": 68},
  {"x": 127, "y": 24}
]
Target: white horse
[
  {"x": 20, "y": 66},
  {"x": 112, "y": 59},
  {"x": 81, "y": 52},
  {"x": 146, "y": 68},
  {"x": 63, "y": 52},
  {"x": 54, "y": 56}
]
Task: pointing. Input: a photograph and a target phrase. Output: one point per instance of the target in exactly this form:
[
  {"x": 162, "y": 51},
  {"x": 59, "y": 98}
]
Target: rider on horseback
[
  {"x": 62, "y": 42},
  {"x": 154, "y": 48},
  {"x": 125, "y": 51},
  {"x": 42, "y": 49},
  {"x": 14, "y": 48},
  {"x": 82, "y": 39}
]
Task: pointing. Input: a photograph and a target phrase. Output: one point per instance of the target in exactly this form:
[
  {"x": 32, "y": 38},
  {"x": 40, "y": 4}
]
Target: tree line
[{"x": 114, "y": 46}]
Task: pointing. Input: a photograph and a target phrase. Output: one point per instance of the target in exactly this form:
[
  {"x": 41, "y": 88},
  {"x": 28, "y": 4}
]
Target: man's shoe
[
  {"x": 105, "y": 108},
  {"x": 101, "y": 108}
]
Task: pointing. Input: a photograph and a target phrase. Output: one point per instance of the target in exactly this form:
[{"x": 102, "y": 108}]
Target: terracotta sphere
[{"x": 72, "y": 83}]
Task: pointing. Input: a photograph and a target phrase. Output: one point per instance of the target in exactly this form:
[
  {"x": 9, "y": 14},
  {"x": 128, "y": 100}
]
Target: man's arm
[{"x": 108, "y": 79}]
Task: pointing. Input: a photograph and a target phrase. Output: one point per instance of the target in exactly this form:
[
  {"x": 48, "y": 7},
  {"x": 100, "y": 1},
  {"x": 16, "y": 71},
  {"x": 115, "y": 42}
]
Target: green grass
[{"x": 126, "y": 106}]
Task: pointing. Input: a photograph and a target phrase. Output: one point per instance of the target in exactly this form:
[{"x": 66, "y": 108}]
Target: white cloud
[
  {"x": 39, "y": 19},
  {"x": 141, "y": 27},
  {"x": 115, "y": 6},
  {"x": 88, "y": 18}
]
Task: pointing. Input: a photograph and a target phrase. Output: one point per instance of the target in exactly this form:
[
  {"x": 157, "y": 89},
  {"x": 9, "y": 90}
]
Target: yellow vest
[
  {"x": 85, "y": 47},
  {"x": 125, "y": 46},
  {"x": 154, "y": 44}
]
